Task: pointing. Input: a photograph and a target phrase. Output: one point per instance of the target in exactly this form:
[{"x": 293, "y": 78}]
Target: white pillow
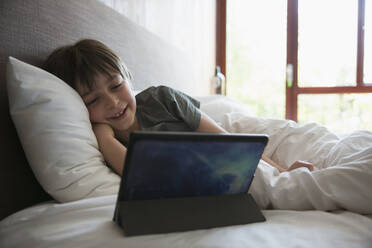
[
  {"x": 54, "y": 128},
  {"x": 216, "y": 106}
]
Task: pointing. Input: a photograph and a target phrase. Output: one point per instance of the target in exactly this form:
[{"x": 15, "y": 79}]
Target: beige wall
[{"x": 187, "y": 24}]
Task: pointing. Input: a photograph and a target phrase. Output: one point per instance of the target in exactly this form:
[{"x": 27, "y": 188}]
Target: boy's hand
[
  {"x": 113, "y": 151},
  {"x": 299, "y": 164}
]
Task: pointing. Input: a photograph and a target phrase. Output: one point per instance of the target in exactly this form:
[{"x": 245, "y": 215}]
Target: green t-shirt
[{"x": 165, "y": 109}]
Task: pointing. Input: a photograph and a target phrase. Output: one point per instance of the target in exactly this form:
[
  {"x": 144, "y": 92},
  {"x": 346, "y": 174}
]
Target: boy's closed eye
[
  {"x": 90, "y": 102},
  {"x": 95, "y": 100},
  {"x": 116, "y": 86}
]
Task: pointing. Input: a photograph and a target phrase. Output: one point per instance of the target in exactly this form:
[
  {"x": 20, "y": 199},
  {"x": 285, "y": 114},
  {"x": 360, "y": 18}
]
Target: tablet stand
[{"x": 185, "y": 214}]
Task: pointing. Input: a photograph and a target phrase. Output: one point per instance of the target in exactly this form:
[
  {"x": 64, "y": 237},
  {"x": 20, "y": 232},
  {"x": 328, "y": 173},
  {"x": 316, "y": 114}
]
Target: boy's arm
[
  {"x": 209, "y": 125},
  {"x": 113, "y": 151}
]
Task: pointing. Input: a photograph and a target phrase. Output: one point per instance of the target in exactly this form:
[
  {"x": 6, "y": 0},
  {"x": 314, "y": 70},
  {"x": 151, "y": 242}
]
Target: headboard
[{"x": 30, "y": 30}]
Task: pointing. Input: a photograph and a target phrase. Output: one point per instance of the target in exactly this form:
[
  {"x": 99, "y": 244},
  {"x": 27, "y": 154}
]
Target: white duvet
[
  {"x": 343, "y": 175},
  {"x": 88, "y": 223},
  {"x": 342, "y": 182}
]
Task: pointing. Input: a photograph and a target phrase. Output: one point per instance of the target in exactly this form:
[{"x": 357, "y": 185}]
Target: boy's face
[{"x": 111, "y": 101}]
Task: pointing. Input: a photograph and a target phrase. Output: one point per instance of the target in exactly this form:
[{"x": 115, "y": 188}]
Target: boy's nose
[{"x": 112, "y": 101}]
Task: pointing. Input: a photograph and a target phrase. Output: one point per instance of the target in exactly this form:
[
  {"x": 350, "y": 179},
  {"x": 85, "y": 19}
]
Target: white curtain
[{"x": 186, "y": 24}]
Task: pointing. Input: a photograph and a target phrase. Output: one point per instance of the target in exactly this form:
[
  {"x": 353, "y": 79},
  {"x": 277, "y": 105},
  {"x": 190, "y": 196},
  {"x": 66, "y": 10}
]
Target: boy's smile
[
  {"x": 119, "y": 115},
  {"x": 110, "y": 101}
]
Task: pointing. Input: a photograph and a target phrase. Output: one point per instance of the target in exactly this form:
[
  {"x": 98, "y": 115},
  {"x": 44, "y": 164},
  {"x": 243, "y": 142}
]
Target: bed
[{"x": 330, "y": 207}]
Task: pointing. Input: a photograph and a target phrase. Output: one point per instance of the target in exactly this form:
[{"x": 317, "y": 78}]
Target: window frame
[
  {"x": 292, "y": 55},
  {"x": 221, "y": 40},
  {"x": 293, "y": 90}
]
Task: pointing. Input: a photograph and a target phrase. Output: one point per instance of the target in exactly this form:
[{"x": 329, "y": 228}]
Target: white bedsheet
[{"x": 88, "y": 223}]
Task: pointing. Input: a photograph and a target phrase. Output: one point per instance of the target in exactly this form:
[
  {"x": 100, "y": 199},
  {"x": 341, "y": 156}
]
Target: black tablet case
[{"x": 185, "y": 214}]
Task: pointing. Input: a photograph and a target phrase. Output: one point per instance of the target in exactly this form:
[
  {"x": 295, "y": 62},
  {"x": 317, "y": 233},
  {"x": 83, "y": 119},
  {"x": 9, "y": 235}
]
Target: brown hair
[{"x": 82, "y": 61}]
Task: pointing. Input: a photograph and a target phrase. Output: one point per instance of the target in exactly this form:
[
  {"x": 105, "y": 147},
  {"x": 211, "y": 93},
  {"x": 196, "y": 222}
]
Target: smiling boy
[{"x": 104, "y": 83}]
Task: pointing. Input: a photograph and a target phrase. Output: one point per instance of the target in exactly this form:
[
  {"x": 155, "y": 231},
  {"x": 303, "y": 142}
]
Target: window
[
  {"x": 321, "y": 68},
  {"x": 256, "y": 54},
  {"x": 327, "y": 46},
  {"x": 368, "y": 43},
  {"x": 353, "y": 111},
  {"x": 327, "y": 54}
]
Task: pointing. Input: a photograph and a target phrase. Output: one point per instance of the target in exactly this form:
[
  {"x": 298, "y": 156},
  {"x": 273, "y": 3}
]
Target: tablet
[
  {"x": 183, "y": 164},
  {"x": 176, "y": 182}
]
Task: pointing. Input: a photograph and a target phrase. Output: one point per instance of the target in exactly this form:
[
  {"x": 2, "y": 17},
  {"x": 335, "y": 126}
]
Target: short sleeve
[
  {"x": 181, "y": 105},
  {"x": 165, "y": 109}
]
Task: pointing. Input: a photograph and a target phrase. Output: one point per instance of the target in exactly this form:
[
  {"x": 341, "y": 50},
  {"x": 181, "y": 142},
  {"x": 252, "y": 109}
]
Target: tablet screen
[{"x": 171, "y": 168}]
